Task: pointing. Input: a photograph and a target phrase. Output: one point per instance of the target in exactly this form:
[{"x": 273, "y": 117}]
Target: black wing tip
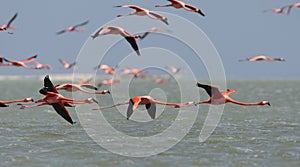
[{"x": 201, "y": 13}]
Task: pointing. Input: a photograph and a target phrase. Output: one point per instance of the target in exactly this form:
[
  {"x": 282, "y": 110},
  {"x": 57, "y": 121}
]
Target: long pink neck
[{"x": 243, "y": 103}]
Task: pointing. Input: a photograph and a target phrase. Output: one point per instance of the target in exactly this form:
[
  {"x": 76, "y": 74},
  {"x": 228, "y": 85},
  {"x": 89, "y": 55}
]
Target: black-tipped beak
[
  {"x": 95, "y": 101},
  {"x": 269, "y": 104},
  {"x": 108, "y": 92}
]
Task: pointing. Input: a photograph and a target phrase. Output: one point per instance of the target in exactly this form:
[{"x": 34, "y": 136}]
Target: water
[{"x": 245, "y": 136}]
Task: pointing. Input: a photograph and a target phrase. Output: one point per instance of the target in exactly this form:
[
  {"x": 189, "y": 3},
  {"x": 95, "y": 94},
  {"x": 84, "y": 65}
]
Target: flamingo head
[
  {"x": 265, "y": 103},
  {"x": 91, "y": 100},
  {"x": 28, "y": 99},
  {"x": 281, "y": 59},
  {"x": 106, "y": 91},
  {"x": 137, "y": 36}
]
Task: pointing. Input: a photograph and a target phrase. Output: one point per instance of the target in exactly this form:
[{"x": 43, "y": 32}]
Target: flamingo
[
  {"x": 173, "y": 69},
  {"x": 148, "y": 101},
  {"x": 161, "y": 80},
  {"x": 262, "y": 58},
  {"x": 1, "y": 61},
  {"x": 39, "y": 66},
  {"x": 278, "y": 10},
  {"x": 119, "y": 31},
  {"x": 21, "y": 63},
  {"x": 5, "y": 103},
  {"x": 66, "y": 64},
  {"x": 154, "y": 29},
  {"x": 218, "y": 98},
  {"x": 79, "y": 87},
  {"x": 108, "y": 82},
  {"x": 73, "y": 28},
  {"x": 136, "y": 72},
  {"x": 8, "y": 25},
  {"x": 106, "y": 68},
  {"x": 144, "y": 12},
  {"x": 179, "y": 4},
  {"x": 58, "y": 102}
]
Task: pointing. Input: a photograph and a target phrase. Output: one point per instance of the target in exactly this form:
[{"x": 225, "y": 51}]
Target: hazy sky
[{"x": 238, "y": 29}]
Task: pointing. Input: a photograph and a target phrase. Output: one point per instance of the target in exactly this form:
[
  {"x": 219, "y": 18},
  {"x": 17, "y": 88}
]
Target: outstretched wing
[
  {"x": 61, "y": 31},
  {"x": 12, "y": 19},
  {"x": 30, "y": 59},
  {"x": 210, "y": 90},
  {"x": 130, "y": 109},
  {"x": 63, "y": 112},
  {"x": 81, "y": 24},
  {"x": 89, "y": 86},
  {"x": 159, "y": 17},
  {"x": 133, "y": 44},
  {"x": 151, "y": 108},
  {"x": 194, "y": 9},
  {"x": 49, "y": 85}
]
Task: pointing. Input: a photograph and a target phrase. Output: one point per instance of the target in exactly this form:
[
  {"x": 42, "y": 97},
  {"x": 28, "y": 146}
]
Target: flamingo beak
[
  {"x": 269, "y": 104},
  {"x": 108, "y": 92},
  {"x": 95, "y": 101}
]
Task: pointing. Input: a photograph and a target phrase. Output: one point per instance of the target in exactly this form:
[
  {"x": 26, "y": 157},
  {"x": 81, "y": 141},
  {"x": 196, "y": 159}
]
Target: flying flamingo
[
  {"x": 7, "y": 26},
  {"x": 148, "y": 101},
  {"x": 278, "y": 10},
  {"x": 66, "y": 64},
  {"x": 217, "y": 97},
  {"x": 144, "y": 12},
  {"x": 58, "y": 102},
  {"x": 173, "y": 69},
  {"x": 79, "y": 87},
  {"x": 136, "y": 72},
  {"x": 179, "y": 4},
  {"x": 21, "y": 63},
  {"x": 5, "y": 103},
  {"x": 119, "y": 31},
  {"x": 73, "y": 28},
  {"x": 106, "y": 68},
  {"x": 85, "y": 80},
  {"x": 262, "y": 58},
  {"x": 39, "y": 66},
  {"x": 108, "y": 82}
]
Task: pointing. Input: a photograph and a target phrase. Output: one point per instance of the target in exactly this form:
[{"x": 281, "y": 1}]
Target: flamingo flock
[{"x": 60, "y": 103}]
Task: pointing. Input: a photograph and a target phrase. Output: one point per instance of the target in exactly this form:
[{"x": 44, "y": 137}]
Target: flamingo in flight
[
  {"x": 218, "y": 98},
  {"x": 278, "y": 10},
  {"x": 79, "y": 87},
  {"x": 262, "y": 58},
  {"x": 119, "y": 31},
  {"x": 148, "y": 101},
  {"x": 20, "y": 63},
  {"x": 58, "y": 102},
  {"x": 173, "y": 69},
  {"x": 39, "y": 66},
  {"x": 73, "y": 28},
  {"x": 5, "y": 103},
  {"x": 144, "y": 12},
  {"x": 179, "y": 4},
  {"x": 106, "y": 68},
  {"x": 108, "y": 82},
  {"x": 66, "y": 64},
  {"x": 8, "y": 25},
  {"x": 134, "y": 71}
]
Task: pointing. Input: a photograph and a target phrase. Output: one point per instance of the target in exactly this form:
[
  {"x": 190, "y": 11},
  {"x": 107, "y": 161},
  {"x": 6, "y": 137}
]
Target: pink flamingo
[
  {"x": 58, "y": 102},
  {"x": 5, "y": 103},
  {"x": 79, "y": 87},
  {"x": 134, "y": 71},
  {"x": 144, "y": 12},
  {"x": 262, "y": 58},
  {"x": 153, "y": 29},
  {"x": 73, "y": 28},
  {"x": 173, "y": 69},
  {"x": 217, "y": 97},
  {"x": 108, "y": 82},
  {"x": 66, "y": 64},
  {"x": 179, "y": 4},
  {"x": 8, "y": 25},
  {"x": 119, "y": 31},
  {"x": 295, "y": 5},
  {"x": 148, "y": 101},
  {"x": 21, "y": 63},
  {"x": 106, "y": 68},
  {"x": 39, "y": 66}
]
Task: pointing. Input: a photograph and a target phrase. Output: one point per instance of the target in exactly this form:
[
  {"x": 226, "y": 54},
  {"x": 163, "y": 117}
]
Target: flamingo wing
[
  {"x": 63, "y": 112},
  {"x": 151, "y": 108},
  {"x": 130, "y": 109},
  {"x": 81, "y": 24},
  {"x": 98, "y": 33},
  {"x": 210, "y": 90},
  {"x": 12, "y": 19},
  {"x": 89, "y": 86},
  {"x": 194, "y": 9},
  {"x": 133, "y": 44},
  {"x": 49, "y": 85},
  {"x": 30, "y": 59},
  {"x": 61, "y": 31},
  {"x": 3, "y": 104},
  {"x": 62, "y": 61},
  {"x": 159, "y": 17}
]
